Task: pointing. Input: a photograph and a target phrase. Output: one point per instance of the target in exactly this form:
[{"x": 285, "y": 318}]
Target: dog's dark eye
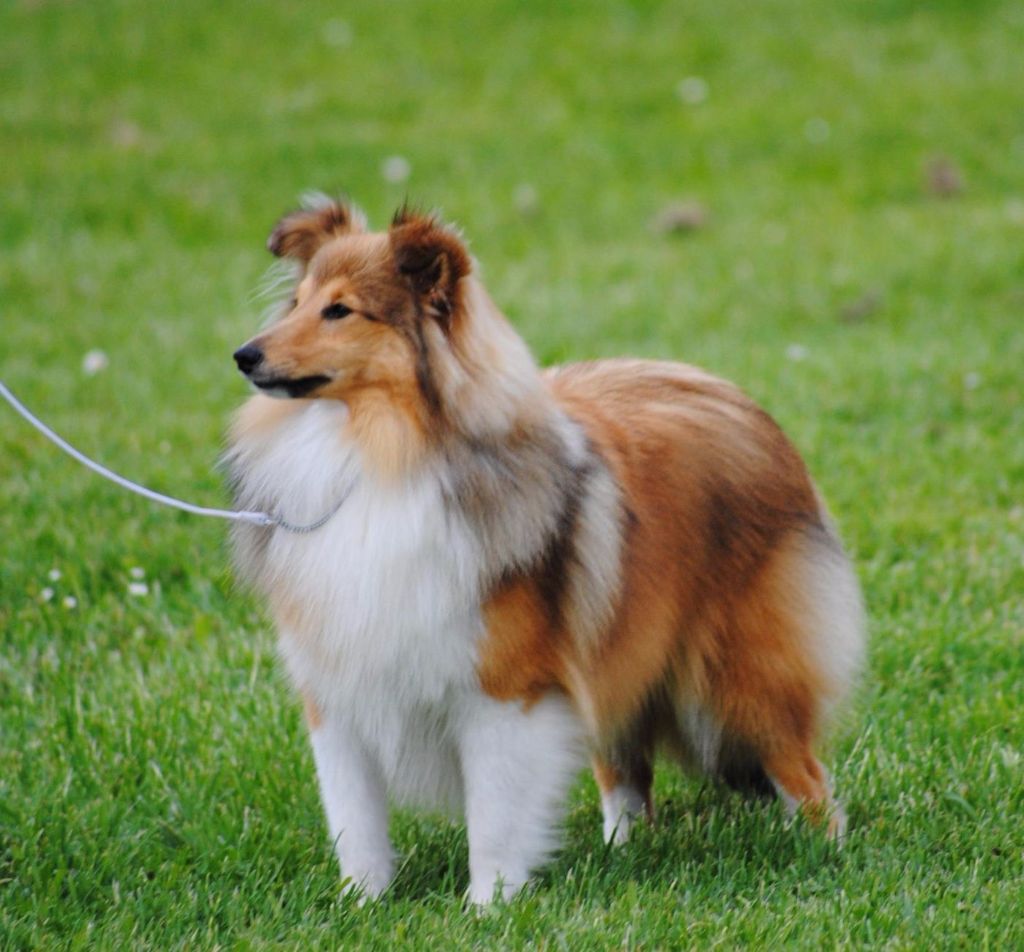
[{"x": 336, "y": 311}]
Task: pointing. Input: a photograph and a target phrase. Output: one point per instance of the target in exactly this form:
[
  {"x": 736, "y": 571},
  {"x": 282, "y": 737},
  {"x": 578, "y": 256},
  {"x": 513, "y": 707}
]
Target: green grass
[{"x": 156, "y": 790}]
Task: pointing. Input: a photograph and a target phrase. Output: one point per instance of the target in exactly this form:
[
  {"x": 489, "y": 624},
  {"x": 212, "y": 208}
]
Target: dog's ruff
[{"x": 529, "y": 568}]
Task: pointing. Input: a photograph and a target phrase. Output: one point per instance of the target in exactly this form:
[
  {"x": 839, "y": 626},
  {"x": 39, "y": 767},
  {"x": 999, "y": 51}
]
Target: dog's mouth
[{"x": 289, "y": 386}]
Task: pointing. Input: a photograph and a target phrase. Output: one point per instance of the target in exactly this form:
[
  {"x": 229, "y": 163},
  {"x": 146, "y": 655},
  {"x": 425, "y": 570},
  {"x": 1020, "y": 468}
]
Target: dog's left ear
[
  {"x": 300, "y": 234},
  {"x": 431, "y": 258}
]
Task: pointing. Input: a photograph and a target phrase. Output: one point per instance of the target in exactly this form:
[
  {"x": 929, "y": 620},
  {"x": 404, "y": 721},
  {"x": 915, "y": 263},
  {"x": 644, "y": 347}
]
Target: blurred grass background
[{"x": 823, "y": 202}]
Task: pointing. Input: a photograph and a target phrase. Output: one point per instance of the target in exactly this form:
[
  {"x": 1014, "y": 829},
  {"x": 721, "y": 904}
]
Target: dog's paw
[
  {"x": 367, "y": 885},
  {"x": 488, "y": 891}
]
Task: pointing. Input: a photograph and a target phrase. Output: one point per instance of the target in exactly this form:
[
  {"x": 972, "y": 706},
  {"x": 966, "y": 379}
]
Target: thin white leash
[{"x": 254, "y": 518}]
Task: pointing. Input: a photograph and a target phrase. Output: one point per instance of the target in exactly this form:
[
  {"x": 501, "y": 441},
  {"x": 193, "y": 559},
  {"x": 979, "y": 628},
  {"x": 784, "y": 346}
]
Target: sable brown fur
[
  {"x": 721, "y": 516},
  {"x": 654, "y": 548}
]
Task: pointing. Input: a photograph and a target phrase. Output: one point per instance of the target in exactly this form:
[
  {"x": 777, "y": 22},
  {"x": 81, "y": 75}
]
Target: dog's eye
[{"x": 336, "y": 311}]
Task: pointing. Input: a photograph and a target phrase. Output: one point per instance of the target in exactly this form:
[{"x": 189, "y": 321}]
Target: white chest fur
[{"x": 379, "y": 610}]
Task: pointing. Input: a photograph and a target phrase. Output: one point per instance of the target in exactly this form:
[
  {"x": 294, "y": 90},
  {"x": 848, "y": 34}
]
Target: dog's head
[{"x": 364, "y": 308}]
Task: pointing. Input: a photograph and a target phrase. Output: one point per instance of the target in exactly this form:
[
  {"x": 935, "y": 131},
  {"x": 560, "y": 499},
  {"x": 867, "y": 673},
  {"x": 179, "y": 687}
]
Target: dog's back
[{"x": 740, "y": 628}]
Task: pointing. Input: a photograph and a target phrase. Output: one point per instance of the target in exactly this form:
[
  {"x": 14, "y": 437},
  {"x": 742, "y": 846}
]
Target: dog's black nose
[{"x": 248, "y": 358}]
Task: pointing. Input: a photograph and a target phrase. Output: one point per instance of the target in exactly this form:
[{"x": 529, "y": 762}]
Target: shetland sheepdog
[{"x": 525, "y": 568}]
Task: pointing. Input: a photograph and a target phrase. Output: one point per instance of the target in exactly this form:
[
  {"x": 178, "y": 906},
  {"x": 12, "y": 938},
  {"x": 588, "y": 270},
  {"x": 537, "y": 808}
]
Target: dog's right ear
[
  {"x": 432, "y": 258},
  {"x": 300, "y": 234}
]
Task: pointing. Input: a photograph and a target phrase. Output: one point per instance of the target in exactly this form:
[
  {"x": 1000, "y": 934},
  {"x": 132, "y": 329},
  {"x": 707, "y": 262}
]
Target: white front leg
[
  {"x": 517, "y": 766},
  {"x": 355, "y": 802}
]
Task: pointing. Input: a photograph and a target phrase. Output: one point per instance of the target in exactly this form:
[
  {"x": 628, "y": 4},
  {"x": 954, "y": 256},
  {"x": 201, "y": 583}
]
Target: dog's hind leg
[
  {"x": 780, "y": 759},
  {"x": 741, "y": 770},
  {"x": 790, "y": 651},
  {"x": 624, "y": 776},
  {"x": 804, "y": 786}
]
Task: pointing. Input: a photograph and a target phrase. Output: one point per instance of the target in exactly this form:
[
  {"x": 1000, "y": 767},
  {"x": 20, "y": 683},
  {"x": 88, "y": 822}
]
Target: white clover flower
[
  {"x": 743, "y": 270},
  {"x": 53, "y": 575},
  {"x": 395, "y": 169},
  {"x": 70, "y": 601},
  {"x": 138, "y": 589},
  {"x": 94, "y": 362},
  {"x": 46, "y": 594},
  {"x": 125, "y": 134},
  {"x": 137, "y": 572},
  {"x": 817, "y": 130},
  {"x": 693, "y": 90},
  {"x": 337, "y": 33},
  {"x": 1014, "y": 209},
  {"x": 525, "y": 198}
]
